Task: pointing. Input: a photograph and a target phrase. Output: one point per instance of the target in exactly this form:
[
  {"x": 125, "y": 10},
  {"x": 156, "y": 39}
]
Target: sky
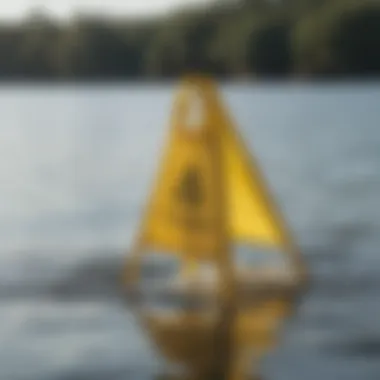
[{"x": 16, "y": 9}]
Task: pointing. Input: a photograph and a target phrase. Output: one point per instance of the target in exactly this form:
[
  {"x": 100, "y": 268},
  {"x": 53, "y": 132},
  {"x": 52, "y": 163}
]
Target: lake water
[{"x": 76, "y": 164}]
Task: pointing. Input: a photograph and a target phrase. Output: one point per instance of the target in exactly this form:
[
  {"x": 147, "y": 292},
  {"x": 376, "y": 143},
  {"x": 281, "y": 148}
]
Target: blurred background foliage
[{"x": 254, "y": 38}]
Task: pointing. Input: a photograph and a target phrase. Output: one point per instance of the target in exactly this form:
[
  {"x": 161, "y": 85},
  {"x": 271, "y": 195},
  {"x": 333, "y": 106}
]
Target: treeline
[{"x": 258, "y": 38}]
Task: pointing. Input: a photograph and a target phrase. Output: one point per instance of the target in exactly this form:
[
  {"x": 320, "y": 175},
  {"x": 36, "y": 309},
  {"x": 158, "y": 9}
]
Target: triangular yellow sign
[{"x": 208, "y": 184}]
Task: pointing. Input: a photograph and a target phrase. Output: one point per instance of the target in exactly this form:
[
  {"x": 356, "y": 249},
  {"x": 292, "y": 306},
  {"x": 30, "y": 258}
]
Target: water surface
[{"x": 75, "y": 170}]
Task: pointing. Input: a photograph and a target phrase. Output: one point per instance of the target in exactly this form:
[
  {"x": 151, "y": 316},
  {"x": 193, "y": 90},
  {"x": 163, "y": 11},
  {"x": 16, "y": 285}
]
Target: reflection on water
[{"x": 75, "y": 169}]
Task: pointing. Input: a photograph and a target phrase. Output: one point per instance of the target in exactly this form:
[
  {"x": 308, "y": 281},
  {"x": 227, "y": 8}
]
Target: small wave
[
  {"x": 368, "y": 347},
  {"x": 92, "y": 275}
]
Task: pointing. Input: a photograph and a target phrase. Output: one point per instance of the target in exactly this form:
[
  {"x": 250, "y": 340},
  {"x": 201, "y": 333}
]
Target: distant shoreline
[{"x": 246, "y": 41}]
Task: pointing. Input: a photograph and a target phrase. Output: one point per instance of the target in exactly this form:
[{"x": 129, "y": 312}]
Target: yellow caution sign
[{"x": 206, "y": 175}]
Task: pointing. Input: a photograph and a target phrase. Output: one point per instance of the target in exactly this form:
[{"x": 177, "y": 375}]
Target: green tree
[
  {"x": 269, "y": 51},
  {"x": 340, "y": 38},
  {"x": 356, "y": 41}
]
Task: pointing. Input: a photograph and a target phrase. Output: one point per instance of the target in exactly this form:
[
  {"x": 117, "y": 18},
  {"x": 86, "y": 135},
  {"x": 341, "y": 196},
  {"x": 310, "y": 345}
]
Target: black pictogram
[{"x": 190, "y": 189}]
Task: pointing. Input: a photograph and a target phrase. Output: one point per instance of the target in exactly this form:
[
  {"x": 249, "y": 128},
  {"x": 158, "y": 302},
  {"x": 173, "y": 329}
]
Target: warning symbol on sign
[
  {"x": 203, "y": 172},
  {"x": 189, "y": 190}
]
